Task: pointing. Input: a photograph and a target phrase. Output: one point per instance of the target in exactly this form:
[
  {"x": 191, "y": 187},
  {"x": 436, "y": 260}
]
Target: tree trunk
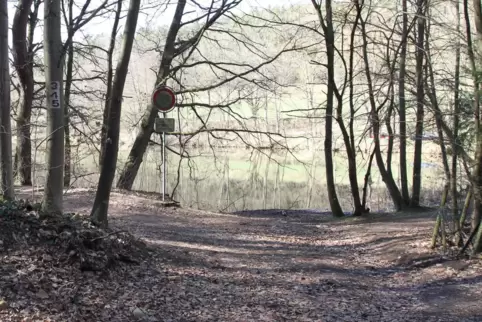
[
  {"x": 327, "y": 25},
  {"x": 349, "y": 138},
  {"x": 68, "y": 84},
  {"x": 53, "y": 193},
  {"x": 455, "y": 140},
  {"x": 390, "y": 133},
  {"x": 101, "y": 203},
  {"x": 330, "y": 53},
  {"x": 465, "y": 209},
  {"x": 110, "y": 75},
  {"x": 23, "y": 65},
  {"x": 432, "y": 94},
  {"x": 367, "y": 181},
  {"x": 477, "y": 172},
  {"x": 439, "y": 228},
  {"x": 402, "y": 107},
  {"x": 417, "y": 159},
  {"x": 375, "y": 119},
  {"x": 134, "y": 160},
  {"x": 68, "y": 146},
  {"x": 8, "y": 191}
]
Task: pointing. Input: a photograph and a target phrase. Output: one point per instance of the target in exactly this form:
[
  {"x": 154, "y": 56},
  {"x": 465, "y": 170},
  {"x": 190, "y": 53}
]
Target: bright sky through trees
[{"x": 155, "y": 13}]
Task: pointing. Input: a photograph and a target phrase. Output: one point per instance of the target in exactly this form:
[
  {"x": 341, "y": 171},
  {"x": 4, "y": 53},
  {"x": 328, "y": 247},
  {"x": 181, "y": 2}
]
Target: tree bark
[
  {"x": 134, "y": 160},
  {"x": 349, "y": 138},
  {"x": 53, "y": 193},
  {"x": 439, "y": 228},
  {"x": 390, "y": 133},
  {"x": 465, "y": 208},
  {"x": 327, "y": 25},
  {"x": 366, "y": 182},
  {"x": 402, "y": 107},
  {"x": 68, "y": 85},
  {"x": 22, "y": 62},
  {"x": 417, "y": 158},
  {"x": 455, "y": 140},
  {"x": 101, "y": 202},
  {"x": 110, "y": 76},
  {"x": 330, "y": 55},
  {"x": 477, "y": 172},
  {"x": 432, "y": 94},
  {"x": 8, "y": 191},
  {"x": 375, "y": 119}
]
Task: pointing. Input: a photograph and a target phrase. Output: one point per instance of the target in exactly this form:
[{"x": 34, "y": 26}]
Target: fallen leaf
[
  {"x": 41, "y": 294},
  {"x": 3, "y": 305}
]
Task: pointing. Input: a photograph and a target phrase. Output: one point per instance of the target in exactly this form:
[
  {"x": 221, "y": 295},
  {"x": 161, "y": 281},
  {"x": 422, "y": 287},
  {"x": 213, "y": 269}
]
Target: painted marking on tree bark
[{"x": 55, "y": 94}]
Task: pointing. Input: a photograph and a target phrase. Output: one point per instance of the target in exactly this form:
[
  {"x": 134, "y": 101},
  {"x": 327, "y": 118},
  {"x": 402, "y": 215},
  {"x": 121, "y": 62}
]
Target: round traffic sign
[{"x": 164, "y": 99}]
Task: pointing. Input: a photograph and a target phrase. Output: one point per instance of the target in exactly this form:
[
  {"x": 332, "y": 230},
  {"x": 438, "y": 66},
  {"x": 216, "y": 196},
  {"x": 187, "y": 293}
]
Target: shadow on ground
[
  {"x": 300, "y": 257},
  {"x": 289, "y": 266}
]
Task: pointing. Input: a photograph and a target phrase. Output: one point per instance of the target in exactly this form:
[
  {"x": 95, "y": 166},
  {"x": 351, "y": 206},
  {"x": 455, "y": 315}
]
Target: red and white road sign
[{"x": 164, "y": 99}]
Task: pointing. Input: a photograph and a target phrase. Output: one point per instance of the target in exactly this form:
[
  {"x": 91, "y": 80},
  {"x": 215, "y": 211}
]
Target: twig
[{"x": 108, "y": 235}]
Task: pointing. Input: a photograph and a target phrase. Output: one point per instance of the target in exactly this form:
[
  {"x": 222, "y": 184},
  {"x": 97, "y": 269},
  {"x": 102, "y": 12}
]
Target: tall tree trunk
[
  {"x": 417, "y": 159},
  {"x": 134, "y": 160},
  {"x": 432, "y": 94},
  {"x": 68, "y": 146},
  {"x": 477, "y": 172},
  {"x": 390, "y": 133},
  {"x": 110, "y": 76},
  {"x": 402, "y": 107},
  {"x": 465, "y": 208},
  {"x": 23, "y": 65},
  {"x": 327, "y": 25},
  {"x": 375, "y": 119},
  {"x": 68, "y": 85},
  {"x": 8, "y": 191},
  {"x": 53, "y": 193},
  {"x": 367, "y": 180},
  {"x": 349, "y": 137},
  {"x": 455, "y": 140},
  {"x": 101, "y": 203}
]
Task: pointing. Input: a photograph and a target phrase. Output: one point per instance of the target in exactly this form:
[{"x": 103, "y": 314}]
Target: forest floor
[{"x": 251, "y": 266}]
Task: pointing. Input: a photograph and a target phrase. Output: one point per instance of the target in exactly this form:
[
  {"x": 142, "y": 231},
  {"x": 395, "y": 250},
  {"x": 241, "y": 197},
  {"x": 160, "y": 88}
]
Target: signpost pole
[
  {"x": 165, "y": 100},
  {"x": 164, "y": 161}
]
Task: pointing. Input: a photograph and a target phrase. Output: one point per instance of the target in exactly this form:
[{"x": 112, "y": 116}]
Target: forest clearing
[{"x": 267, "y": 265}]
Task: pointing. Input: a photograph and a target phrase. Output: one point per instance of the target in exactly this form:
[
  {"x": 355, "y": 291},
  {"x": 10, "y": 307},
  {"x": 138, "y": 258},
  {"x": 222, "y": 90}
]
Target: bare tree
[
  {"x": 375, "y": 119},
  {"x": 69, "y": 21},
  {"x": 349, "y": 135},
  {"x": 131, "y": 167},
  {"x": 22, "y": 61},
  {"x": 477, "y": 172},
  {"x": 432, "y": 94},
  {"x": 417, "y": 162},
  {"x": 53, "y": 48},
  {"x": 101, "y": 203},
  {"x": 402, "y": 105},
  {"x": 8, "y": 191},
  {"x": 173, "y": 48},
  {"x": 455, "y": 125},
  {"x": 110, "y": 76},
  {"x": 74, "y": 24},
  {"x": 327, "y": 26}
]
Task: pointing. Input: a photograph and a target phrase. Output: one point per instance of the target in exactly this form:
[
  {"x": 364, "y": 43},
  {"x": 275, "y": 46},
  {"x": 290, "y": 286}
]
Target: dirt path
[{"x": 282, "y": 266}]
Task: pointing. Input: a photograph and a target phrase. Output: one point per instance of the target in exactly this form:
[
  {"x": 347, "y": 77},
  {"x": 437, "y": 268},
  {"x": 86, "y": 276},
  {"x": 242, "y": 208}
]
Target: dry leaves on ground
[{"x": 253, "y": 266}]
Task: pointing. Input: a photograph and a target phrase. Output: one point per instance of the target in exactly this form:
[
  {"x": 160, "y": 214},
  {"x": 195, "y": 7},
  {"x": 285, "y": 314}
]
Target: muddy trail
[{"x": 265, "y": 266}]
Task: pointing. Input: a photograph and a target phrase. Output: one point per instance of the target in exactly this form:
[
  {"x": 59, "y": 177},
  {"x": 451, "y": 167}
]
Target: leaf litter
[{"x": 174, "y": 264}]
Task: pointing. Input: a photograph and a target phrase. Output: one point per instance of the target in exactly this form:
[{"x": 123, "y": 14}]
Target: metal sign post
[
  {"x": 164, "y": 167},
  {"x": 164, "y": 99}
]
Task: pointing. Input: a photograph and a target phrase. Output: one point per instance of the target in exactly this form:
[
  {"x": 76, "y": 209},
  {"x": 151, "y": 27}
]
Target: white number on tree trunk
[{"x": 55, "y": 94}]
